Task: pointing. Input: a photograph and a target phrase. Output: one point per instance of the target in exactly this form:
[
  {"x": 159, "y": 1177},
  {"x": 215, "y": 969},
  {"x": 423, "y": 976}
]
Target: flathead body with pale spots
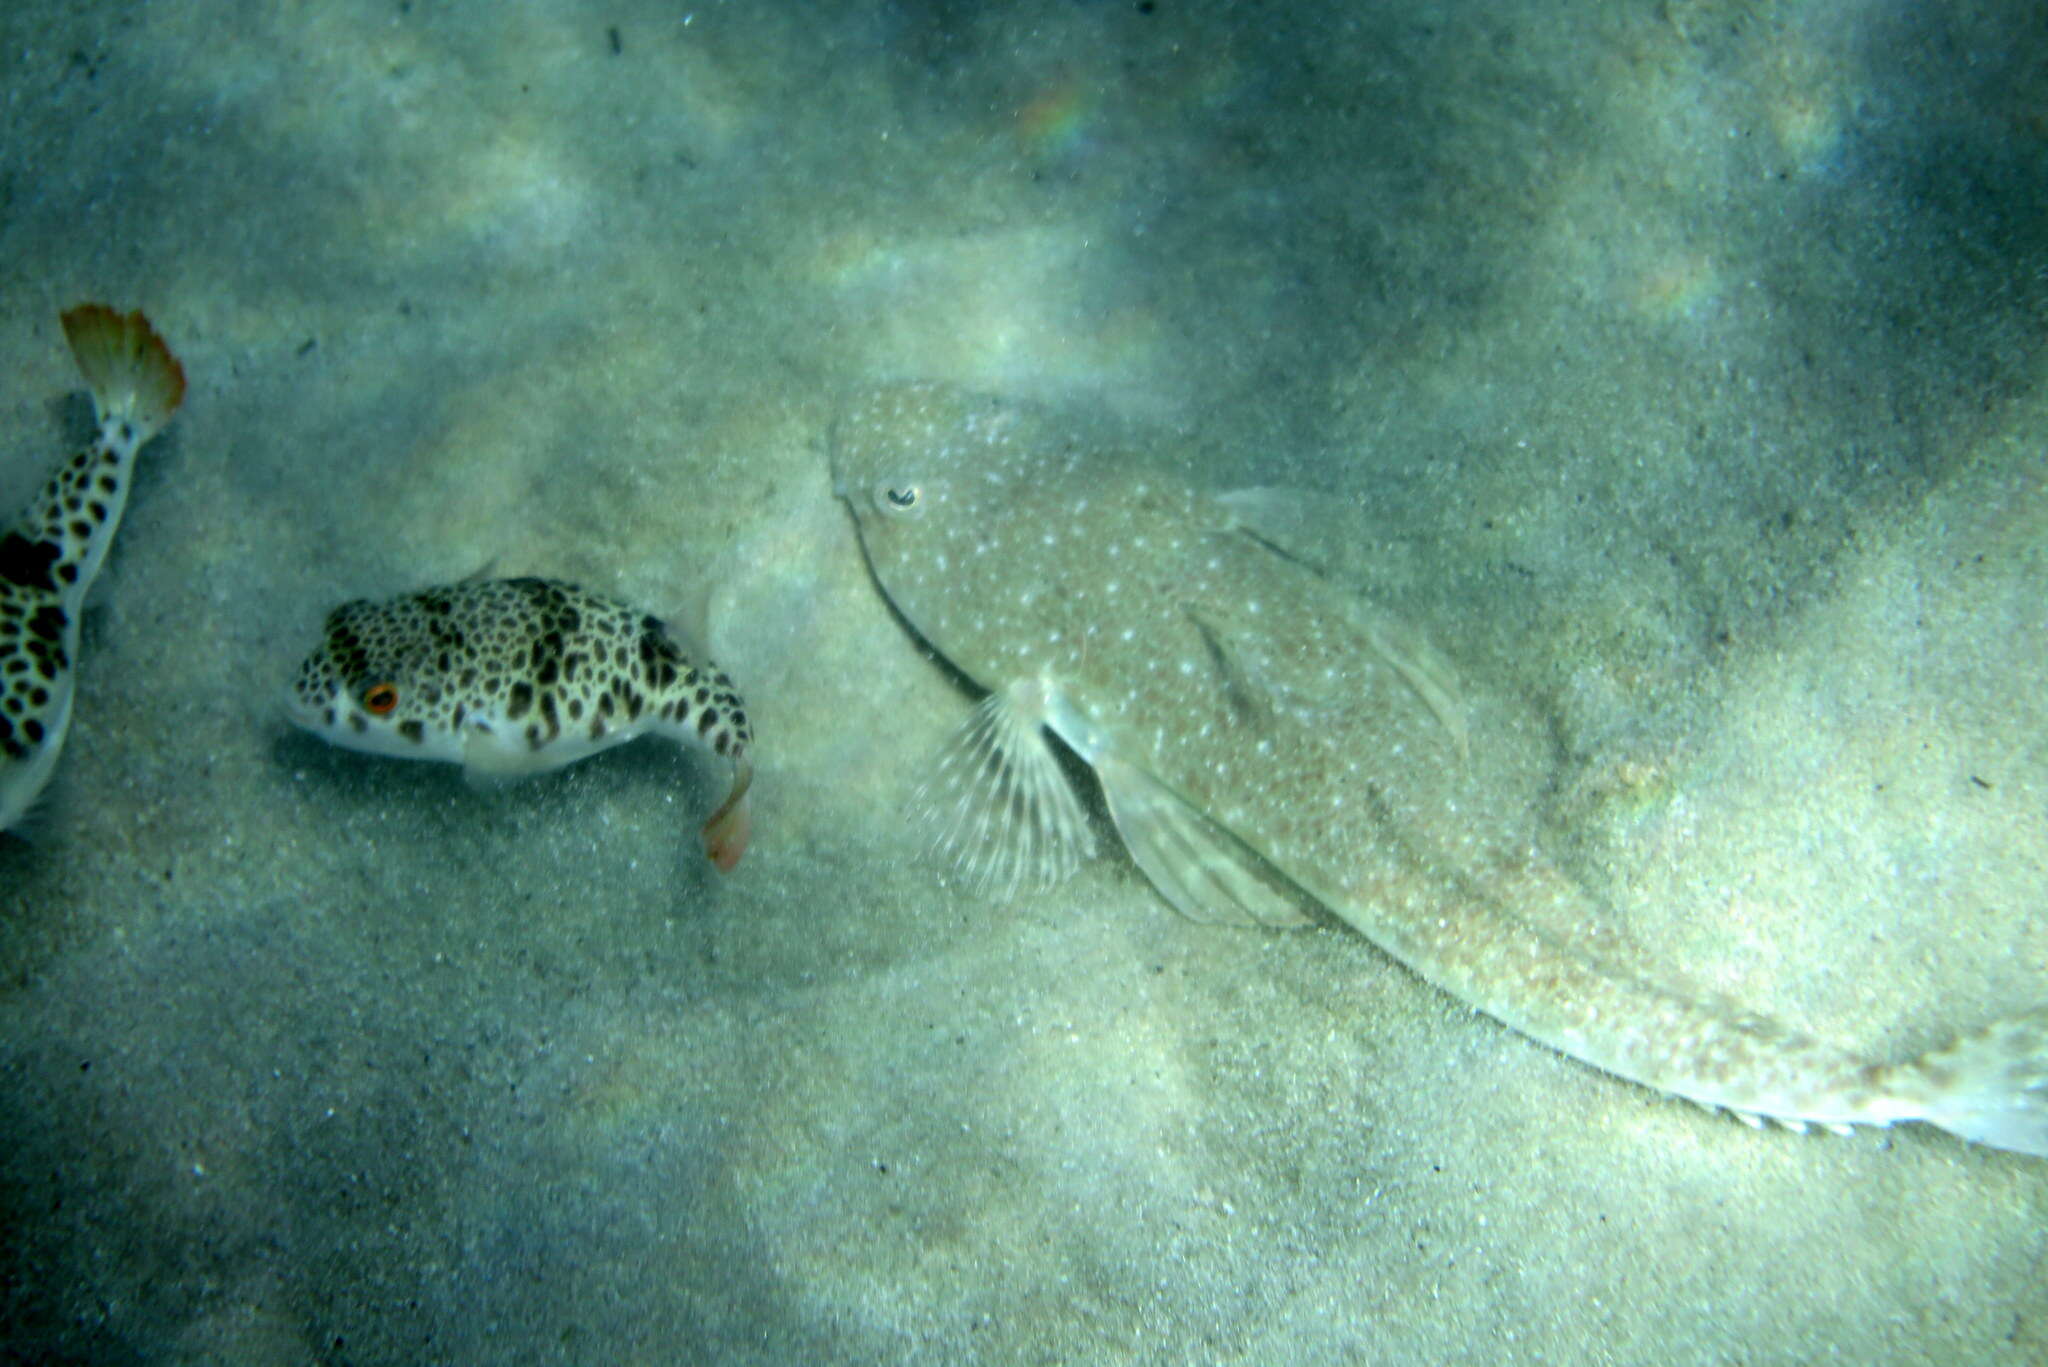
[
  {"x": 508, "y": 677},
  {"x": 50, "y": 556},
  {"x": 1266, "y": 741}
]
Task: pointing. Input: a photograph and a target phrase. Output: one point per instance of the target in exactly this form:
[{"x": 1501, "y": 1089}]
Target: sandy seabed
[{"x": 1680, "y": 367}]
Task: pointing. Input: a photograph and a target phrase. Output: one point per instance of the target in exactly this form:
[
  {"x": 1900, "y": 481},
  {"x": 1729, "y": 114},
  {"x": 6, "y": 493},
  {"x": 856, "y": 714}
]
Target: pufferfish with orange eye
[{"x": 508, "y": 677}]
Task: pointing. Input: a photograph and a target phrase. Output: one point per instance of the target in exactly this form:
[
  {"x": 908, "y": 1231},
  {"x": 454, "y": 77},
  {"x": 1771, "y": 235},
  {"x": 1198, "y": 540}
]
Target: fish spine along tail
[
  {"x": 137, "y": 384},
  {"x": 1988, "y": 1087}
]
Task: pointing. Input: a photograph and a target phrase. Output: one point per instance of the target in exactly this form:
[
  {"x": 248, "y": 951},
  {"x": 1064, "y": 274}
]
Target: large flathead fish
[{"x": 1264, "y": 739}]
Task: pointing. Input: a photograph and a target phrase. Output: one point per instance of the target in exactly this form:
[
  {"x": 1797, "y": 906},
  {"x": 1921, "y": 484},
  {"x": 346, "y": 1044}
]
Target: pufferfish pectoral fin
[
  {"x": 998, "y": 802},
  {"x": 1204, "y": 871}
]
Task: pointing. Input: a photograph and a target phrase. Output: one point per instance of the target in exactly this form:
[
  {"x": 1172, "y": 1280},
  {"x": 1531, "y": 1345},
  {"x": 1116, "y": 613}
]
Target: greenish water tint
[{"x": 1675, "y": 371}]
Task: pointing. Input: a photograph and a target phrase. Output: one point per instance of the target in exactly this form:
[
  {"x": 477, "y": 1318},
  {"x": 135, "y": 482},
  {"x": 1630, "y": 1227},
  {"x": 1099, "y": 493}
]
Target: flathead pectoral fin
[
  {"x": 1207, "y": 873},
  {"x": 998, "y": 802},
  {"x": 726, "y": 834}
]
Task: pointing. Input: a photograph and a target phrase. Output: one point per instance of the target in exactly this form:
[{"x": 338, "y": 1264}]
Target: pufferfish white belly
[{"x": 508, "y": 677}]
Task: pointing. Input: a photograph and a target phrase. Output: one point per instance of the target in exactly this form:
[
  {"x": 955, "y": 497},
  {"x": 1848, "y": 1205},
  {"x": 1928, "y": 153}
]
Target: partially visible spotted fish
[
  {"x": 1263, "y": 737},
  {"x": 48, "y": 558},
  {"x": 516, "y": 676}
]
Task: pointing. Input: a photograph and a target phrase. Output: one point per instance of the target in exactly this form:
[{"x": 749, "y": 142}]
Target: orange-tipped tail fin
[
  {"x": 726, "y": 834},
  {"x": 134, "y": 376}
]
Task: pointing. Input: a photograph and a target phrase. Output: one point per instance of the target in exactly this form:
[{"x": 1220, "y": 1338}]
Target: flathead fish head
[
  {"x": 900, "y": 452},
  {"x": 952, "y": 492}
]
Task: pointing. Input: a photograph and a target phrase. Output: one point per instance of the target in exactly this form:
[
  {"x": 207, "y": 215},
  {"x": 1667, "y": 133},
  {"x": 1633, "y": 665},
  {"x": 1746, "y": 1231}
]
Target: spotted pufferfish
[
  {"x": 509, "y": 677},
  {"x": 51, "y": 554}
]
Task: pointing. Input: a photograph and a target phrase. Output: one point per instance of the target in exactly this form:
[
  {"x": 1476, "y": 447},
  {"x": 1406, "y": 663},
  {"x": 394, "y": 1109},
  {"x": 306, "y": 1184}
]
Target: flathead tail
[
  {"x": 134, "y": 377},
  {"x": 1989, "y": 1087},
  {"x": 726, "y": 834}
]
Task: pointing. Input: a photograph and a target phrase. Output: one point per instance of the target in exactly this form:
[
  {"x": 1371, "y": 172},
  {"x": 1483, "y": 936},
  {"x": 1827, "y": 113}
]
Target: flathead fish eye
[
  {"x": 901, "y": 498},
  {"x": 380, "y": 699}
]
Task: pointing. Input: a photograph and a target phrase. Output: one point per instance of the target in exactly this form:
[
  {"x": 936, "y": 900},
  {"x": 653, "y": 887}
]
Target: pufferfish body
[
  {"x": 51, "y": 554},
  {"x": 508, "y": 677}
]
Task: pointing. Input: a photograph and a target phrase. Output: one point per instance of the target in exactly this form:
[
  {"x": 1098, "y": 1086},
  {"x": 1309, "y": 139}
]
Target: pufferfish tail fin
[
  {"x": 135, "y": 379},
  {"x": 726, "y": 834}
]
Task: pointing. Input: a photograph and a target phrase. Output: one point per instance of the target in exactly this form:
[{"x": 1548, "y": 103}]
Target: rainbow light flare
[{"x": 1053, "y": 122}]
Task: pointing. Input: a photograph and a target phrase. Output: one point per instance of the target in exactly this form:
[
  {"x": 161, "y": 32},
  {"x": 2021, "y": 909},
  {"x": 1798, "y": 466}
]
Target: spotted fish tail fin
[
  {"x": 726, "y": 834},
  {"x": 135, "y": 379},
  {"x": 1989, "y": 1087}
]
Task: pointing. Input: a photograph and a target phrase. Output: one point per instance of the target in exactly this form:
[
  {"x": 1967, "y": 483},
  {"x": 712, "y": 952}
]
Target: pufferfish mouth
[{"x": 305, "y": 711}]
